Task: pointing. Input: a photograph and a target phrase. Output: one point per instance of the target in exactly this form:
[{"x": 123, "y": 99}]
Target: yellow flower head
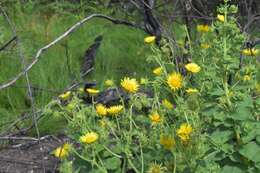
[
  {"x": 149, "y": 39},
  {"x": 92, "y": 91},
  {"x": 184, "y": 132},
  {"x": 174, "y": 81},
  {"x": 167, "y": 104},
  {"x": 143, "y": 81},
  {"x": 155, "y": 118},
  {"x": 221, "y": 17},
  {"x": 250, "y": 52},
  {"x": 113, "y": 110},
  {"x": 158, "y": 71},
  {"x": 89, "y": 138},
  {"x": 203, "y": 28},
  {"x": 192, "y": 67},
  {"x": 109, "y": 83},
  {"x": 204, "y": 45},
  {"x": 101, "y": 110},
  {"x": 246, "y": 78},
  {"x": 191, "y": 91},
  {"x": 65, "y": 95},
  {"x": 62, "y": 151},
  {"x": 167, "y": 141},
  {"x": 130, "y": 85},
  {"x": 156, "y": 168}
]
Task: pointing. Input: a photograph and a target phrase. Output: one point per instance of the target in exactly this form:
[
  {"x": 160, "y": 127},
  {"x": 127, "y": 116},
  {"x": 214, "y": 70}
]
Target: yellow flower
[
  {"x": 65, "y": 95},
  {"x": 204, "y": 45},
  {"x": 143, "y": 81},
  {"x": 191, "y": 91},
  {"x": 156, "y": 168},
  {"x": 174, "y": 81},
  {"x": 246, "y": 78},
  {"x": 89, "y": 138},
  {"x": 167, "y": 141},
  {"x": 192, "y": 67},
  {"x": 221, "y": 17},
  {"x": 101, "y": 110},
  {"x": 109, "y": 83},
  {"x": 155, "y": 118},
  {"x": 167, "y": 104},
  {"x": 130, "y": 85},
  {"x": 203, "y": 28},
  {"x": 92, "y": 91},
  {"x": 250, "y": 52},
  {"x": 149, "y": 39},
  {"x": 113, "y": 110},
  {"x": 184, "y": 132},
  {"x": 62, "y": 151},
  {"x": 158, "y": 71}
]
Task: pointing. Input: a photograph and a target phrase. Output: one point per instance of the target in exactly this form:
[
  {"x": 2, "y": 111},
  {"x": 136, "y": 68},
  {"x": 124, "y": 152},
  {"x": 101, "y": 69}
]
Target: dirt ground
[{"x": 30, "y": 156}]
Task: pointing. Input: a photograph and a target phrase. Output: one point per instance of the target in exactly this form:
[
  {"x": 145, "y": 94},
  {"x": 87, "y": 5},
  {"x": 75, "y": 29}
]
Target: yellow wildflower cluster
[
  {"x": 62, "y": 151},
  {"x": 92, "y": 91},
  {"x": 156, "y": 168},
  {"x": 101, "y": 110},
  {"x": 203, "y": 28},
  {"x": 150, "y": 39},
  {"x": 155, "y": 118},
  {"x": 250, "y": 52},
  {"x": 246, "y": 78},
  {"x": 221, "y": 17},
  {"x": 158, "y": 71},
  {"x": 65, "y": 96},
  {"x": 184, "y": 132},
  {"x": 89, "y": 138},
  {"x": 174, "y": 81},
  {"x": 130, "y": 85},
  {"x": 112, "y": 110},
  {"x": 167, "y": 104},
  {"x": 193, "y": 68},
  {"x": 167, "y": 141}
]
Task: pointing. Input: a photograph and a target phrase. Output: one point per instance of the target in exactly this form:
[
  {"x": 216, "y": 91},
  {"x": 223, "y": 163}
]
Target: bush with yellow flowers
[{"x": 201, "y": 115}]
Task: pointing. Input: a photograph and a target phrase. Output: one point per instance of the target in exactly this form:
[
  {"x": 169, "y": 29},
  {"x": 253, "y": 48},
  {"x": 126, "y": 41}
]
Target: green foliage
[
  {"x": 37, "y": 25},
  {"x": 220, "y": 119}
]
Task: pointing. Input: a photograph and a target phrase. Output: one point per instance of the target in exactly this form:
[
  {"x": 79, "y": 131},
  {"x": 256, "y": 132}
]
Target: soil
[{"x": 31, "y": 156}]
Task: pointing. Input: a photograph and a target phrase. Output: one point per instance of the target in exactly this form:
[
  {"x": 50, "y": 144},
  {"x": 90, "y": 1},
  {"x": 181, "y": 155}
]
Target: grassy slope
[{"x": 122, "y": 52}]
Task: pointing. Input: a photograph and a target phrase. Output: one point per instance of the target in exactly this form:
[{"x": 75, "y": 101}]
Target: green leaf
[
  {"x": 231, "y": 169},
  {"x": 251, "y": 151},
  {"x": 112, "y": 163},
  {"x": 221, "y": 137}
]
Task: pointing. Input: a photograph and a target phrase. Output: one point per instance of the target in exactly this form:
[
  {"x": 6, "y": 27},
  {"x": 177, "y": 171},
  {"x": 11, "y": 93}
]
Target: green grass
[{"x": 122, "y": 52}]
